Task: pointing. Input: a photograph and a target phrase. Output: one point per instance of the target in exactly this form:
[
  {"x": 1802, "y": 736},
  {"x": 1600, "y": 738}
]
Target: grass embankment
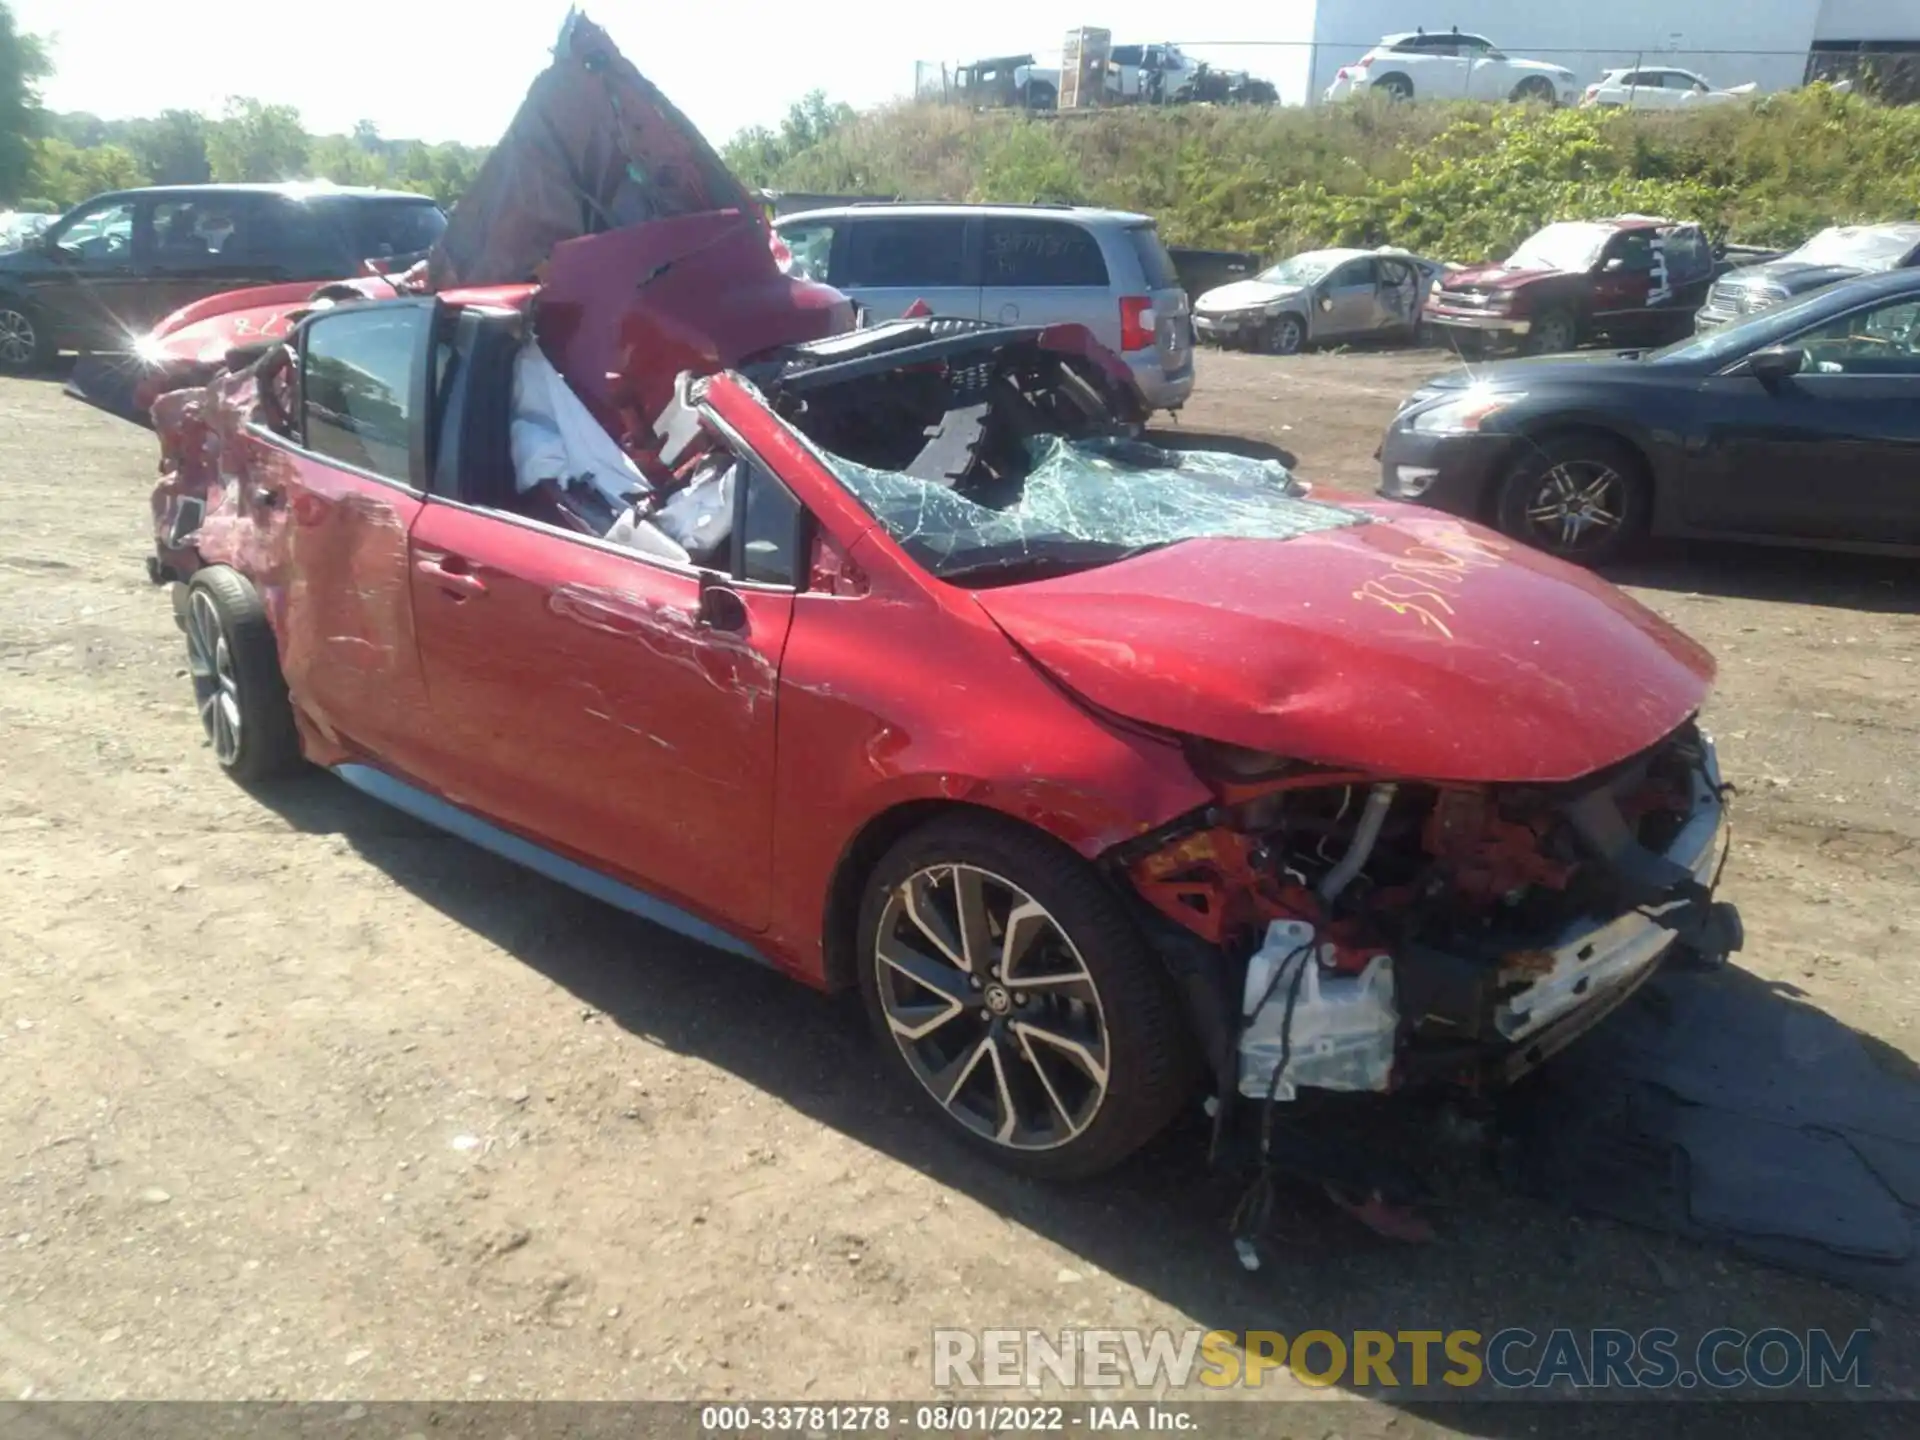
[{"x": 1461, "y": 182}]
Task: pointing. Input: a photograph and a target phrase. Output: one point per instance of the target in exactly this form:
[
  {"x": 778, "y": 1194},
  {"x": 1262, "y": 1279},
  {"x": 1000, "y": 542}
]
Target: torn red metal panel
[
  {"x": 622, "y": 314},
  {"x": 594, "y": 147}
]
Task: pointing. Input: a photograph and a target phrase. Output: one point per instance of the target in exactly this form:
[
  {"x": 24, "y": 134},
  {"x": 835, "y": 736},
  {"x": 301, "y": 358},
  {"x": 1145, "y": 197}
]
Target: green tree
[
  {"x": 757, "y": 155},
  {"x": 67, "y": 174},
  {"x": 23, "y": 64},
  {"x": 172, "y": 147},
  {"x": 256, "y": 141}
]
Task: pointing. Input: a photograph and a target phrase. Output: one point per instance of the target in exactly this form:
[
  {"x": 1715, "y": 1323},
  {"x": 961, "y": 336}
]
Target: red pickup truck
[{"x": 1635, "y": 279}]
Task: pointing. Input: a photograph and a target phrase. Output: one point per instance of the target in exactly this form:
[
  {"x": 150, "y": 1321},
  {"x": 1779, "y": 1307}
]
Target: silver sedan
[{"x": 1318, "y": 297}]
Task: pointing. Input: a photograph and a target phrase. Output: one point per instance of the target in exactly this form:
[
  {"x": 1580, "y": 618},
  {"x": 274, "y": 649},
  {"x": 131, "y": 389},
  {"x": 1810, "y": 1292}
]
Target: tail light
[
  {"x": 1139, "y": 326},
  {"x": 782, "y": 254},
  {"x": 1360, "y": 65},
  {"x": 1592, "y": 91},
  {"x": 918, "y": 310}
]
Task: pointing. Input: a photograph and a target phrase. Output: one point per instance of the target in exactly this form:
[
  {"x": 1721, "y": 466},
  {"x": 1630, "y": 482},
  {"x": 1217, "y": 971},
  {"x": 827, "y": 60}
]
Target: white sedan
[
  {"x": 1658, "y": 89},
  {"x": 1447, "y": 65}
]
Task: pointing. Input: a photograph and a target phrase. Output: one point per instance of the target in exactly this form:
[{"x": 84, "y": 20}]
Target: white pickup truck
[{"x": 1147, "y": 74}]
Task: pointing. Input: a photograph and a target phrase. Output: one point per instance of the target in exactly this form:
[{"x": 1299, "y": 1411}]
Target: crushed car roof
[{"x": 594, "y": 147}]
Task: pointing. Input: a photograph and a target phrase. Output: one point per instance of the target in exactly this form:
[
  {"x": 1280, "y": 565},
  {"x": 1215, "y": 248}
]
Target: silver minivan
[{"x": 1013, "y": 264}]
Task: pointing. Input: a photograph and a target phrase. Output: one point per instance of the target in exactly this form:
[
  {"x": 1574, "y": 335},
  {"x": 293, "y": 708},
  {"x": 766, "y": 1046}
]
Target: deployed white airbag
[{"x": 555, "y": 437}]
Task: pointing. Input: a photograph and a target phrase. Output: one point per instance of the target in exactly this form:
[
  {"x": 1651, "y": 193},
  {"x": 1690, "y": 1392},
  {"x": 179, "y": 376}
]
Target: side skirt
[{"x": 438, "y": 813}]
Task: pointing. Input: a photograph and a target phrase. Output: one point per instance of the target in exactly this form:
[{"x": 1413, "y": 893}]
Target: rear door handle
[{"x": 452, "y": 575}]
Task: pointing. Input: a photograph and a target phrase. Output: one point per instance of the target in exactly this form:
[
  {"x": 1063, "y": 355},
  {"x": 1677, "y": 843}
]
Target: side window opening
[
  {"x": 357, "y": 387},
  {"x": 519, "y": 441},
  {"x": 724, "y": 511},
  {"x": 101, "y": 233},
  {"x": 888, "y": 251},
  {"x": 1021, "y": 252},
  {"x": 810, "y": 248},
  {"x": 1355, "y": 274}
]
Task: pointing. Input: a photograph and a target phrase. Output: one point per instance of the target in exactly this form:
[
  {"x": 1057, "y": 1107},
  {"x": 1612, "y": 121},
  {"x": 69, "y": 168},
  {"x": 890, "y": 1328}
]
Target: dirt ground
[{"x": 301, "y": 1100}]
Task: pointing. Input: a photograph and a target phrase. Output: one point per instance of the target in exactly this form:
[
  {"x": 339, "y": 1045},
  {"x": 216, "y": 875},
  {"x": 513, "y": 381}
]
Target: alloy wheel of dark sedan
[
  {"x": 19, "y": 341},
  {"x": 993, "y": 1009},
  {"x": 1579, "y": 504}
]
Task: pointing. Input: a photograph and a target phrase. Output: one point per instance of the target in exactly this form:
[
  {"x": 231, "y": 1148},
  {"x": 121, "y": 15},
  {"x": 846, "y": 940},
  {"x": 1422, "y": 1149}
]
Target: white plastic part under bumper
[{"x": 1592, "y": 962}]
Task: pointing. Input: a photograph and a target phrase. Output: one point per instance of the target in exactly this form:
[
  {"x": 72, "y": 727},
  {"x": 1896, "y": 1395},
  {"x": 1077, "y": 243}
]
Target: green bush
[{"x": 1459, "y": 181}]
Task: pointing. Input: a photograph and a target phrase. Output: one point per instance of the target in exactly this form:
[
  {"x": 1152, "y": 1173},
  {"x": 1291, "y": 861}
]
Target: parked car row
[
  {"x": 1112, "y": 777},
  {"x": 1449, "y": 65},
  {"x": 1319, "y": 297}
]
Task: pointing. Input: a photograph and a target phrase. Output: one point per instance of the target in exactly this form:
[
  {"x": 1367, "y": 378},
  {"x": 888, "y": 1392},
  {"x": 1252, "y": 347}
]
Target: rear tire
[
  {"x": 1536, "y": 87},
  {"x": 1585, "y": 498},
  {"x": 1395, "y": 87},
  {"x": 1070, "y": 1051},
  {"x": 237, "y": 685},
  {"x": 24, "y": 348}
]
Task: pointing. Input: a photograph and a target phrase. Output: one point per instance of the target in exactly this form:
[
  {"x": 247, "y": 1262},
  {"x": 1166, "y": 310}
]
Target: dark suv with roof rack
[{"x": 98, "y": 278}]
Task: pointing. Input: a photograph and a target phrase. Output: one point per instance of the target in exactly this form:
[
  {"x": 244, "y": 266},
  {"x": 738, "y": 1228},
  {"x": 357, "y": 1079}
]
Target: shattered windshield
[
  {"x": 1084, "y": 503},
  {"x": 1571, "y": 246},
  {"x": 1858, "y": 249},
  {"x": 1302, "y": 269}
]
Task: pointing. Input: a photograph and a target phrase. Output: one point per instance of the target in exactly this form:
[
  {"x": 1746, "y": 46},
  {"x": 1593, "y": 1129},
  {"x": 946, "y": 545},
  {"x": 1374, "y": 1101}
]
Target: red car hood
[
  {"x": 1494, "y": 277},
  {"x": 1414, "y": 646}
]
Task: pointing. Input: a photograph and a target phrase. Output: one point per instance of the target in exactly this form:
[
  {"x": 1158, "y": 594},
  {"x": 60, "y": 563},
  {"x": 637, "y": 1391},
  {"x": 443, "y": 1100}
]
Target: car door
[
  {"x": 1630, "y": 279},
  {"x": 1443, "y": 71},
  {"x": 1488, "y": 75},
  {"x": 207, "y": 242},
  {"x": 90, "y": 279},
  {"x": 615, "y": 705},
  {"x": 891, "y": 261},
  {"x": 329, "y": 498},
  {"x": 1347, "y": 302},
  {"x": 1397, "y": 305},
  {"x": 1044, "y": 271},
  {"x": 1832, "y": 453}
]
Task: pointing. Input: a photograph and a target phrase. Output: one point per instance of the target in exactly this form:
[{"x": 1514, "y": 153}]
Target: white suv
[{"x": 1446, "y": 65}]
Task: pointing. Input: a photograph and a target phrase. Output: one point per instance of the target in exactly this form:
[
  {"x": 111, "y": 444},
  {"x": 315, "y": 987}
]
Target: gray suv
[{"x": 1014, "y": 265}]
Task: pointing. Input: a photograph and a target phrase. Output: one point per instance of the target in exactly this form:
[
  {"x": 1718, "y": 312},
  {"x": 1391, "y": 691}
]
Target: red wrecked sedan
[{"x": 1110, "y": 775}]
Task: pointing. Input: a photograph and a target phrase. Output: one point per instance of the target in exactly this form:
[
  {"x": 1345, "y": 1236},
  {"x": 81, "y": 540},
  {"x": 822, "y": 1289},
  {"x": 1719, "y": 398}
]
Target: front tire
[
  {"x": 237, "y": 685},
  {"x": 1016, "y": 997},
  {"x": 1554, "y": 331},
  {"x": 1584, "y": 498},
  {"x": 24, "y": 347},
  {"x": 1283, "y": 335}
]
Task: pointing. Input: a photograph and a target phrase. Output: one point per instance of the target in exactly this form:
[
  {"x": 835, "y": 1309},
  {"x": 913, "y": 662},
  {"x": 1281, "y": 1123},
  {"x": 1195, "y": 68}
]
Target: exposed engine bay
[{"x": 1392, "y": 934}]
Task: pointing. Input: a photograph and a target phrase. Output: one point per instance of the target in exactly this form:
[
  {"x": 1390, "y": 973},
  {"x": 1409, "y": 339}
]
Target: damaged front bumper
[{"x": 1425, "y": 1015}]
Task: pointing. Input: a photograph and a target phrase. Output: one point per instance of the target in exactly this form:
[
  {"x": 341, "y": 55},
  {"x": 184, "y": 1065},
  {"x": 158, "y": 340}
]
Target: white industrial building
[{"x": 1770, "y": 42}]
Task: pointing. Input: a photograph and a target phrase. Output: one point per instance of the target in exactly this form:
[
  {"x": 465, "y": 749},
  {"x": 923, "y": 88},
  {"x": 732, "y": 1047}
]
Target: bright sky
[{"x": 433, "y": 70}]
